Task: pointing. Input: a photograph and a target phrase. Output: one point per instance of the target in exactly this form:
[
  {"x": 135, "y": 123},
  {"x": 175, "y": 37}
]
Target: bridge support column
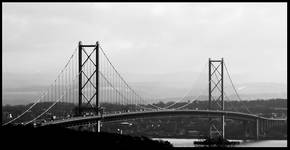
[
  {"x": 223, "y": 126},
  {"x": 257, "y": 129},
  {"x": 266, "y": 125},
  {"x": 210, "y": 127},
  {"x": 246, "y": 129},
  {"x": 263, "y": 128},
  {"x": 99, "y": 126}
]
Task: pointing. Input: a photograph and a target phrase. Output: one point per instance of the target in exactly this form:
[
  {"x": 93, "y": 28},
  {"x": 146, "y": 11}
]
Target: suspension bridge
[{"x": 93, "y": 85}]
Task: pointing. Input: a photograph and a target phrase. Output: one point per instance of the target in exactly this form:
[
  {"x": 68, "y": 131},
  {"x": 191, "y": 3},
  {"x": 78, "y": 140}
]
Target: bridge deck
[{"x": 148, "y": 114}]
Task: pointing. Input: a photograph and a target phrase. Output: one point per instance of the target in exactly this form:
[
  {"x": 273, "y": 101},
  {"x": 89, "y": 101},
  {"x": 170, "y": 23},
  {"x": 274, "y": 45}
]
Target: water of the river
[{"x": 264, "y": 143}]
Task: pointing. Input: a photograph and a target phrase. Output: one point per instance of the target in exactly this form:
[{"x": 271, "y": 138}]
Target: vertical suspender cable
[{"x": 69, "y": 83}]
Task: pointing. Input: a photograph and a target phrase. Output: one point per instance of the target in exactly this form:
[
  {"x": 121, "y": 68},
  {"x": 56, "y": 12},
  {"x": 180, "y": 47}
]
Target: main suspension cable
[
  {"x": 124, "y": 80},
  {"x": 236, "y": 90},
  {"x": 43, "y": 95}
]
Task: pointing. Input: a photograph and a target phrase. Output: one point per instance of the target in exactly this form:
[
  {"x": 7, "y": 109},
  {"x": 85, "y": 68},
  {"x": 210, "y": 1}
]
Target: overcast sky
[{"x": 148, "y": 38}]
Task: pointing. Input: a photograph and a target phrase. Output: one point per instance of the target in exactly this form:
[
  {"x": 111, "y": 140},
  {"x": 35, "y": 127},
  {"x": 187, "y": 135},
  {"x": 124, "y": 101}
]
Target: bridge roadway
[{"x": 149, "y": 114}]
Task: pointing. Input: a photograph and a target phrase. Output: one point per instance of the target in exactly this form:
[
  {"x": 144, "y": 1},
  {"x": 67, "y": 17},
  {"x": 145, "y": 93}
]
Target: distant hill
[{"x": 167, "y": 86}]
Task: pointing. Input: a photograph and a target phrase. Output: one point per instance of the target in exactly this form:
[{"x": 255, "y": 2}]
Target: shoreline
[{"x": 185, "y": 142}]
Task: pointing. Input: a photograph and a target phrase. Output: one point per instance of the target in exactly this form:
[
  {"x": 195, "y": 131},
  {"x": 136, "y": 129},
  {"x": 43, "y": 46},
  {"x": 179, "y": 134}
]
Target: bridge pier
[
  {"x": 257, "y": 129},
  {"x": 246, "y": 128},
  {"x": 266, "y": 125},
  {"x": 223, "y": 126},
  {"x": 263, "y": 130},
  {"x": 209, "y": 127},
  {"x": 99, "y": 126}
]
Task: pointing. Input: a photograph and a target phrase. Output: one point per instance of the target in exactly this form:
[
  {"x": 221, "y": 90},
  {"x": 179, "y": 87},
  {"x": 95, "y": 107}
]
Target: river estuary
[{"x": 263, "y": 143}]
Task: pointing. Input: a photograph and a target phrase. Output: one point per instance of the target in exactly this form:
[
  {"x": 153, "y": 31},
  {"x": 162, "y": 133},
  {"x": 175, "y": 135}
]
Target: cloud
[
  {"x": 241, "y": 88},
  {"x": 150, "y": 38}
]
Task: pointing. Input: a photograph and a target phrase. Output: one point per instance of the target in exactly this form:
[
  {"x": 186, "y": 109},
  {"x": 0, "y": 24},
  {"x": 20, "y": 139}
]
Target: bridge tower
[
  {"x": 88, "y": 67},
  {"x": 216, "y": 97}
]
